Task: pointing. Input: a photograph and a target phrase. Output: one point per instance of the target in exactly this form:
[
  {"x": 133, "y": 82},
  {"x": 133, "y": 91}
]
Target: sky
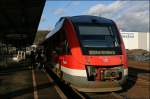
[{"x": 132, "y": 16}]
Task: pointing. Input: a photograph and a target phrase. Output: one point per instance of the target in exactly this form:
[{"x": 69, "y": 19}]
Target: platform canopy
[{"x": 19, "y": 20}]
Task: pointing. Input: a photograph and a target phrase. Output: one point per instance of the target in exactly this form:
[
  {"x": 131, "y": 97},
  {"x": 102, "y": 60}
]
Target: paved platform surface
[{"x": 22, "y": 82}]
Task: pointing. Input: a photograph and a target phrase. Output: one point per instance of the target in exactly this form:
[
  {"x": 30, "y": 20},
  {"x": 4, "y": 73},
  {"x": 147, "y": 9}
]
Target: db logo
[{"x": 105, "y": 59}]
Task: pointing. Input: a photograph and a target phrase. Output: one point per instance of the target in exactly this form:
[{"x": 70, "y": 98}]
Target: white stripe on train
[
  {"x": 73, "y": 72},
  {"x": 82, "y": 73}
]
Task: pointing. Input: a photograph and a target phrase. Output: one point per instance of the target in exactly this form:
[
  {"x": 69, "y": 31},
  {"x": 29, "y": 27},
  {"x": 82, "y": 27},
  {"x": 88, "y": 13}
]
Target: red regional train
[{"x": 88, "y": 53}]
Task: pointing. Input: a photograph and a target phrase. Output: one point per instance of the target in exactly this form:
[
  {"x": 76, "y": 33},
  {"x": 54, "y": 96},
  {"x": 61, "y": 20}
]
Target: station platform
[{"x": 20, "y": 81}]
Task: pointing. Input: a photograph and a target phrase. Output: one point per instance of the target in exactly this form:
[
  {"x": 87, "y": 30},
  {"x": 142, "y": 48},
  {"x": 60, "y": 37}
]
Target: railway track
[
  {"x": 138, "y": 77},
  {"x": 69, "y": 92},
  {"x": 139, "y": 80},
  {"x": 108, "y": 95},
  {"x": 142, "y": 80}
]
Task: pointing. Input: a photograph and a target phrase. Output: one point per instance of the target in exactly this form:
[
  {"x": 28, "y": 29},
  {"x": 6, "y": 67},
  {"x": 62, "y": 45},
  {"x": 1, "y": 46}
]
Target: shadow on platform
[{"x": 29, "y": 90}]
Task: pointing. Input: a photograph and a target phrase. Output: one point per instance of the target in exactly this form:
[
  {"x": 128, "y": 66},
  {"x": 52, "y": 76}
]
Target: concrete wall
[
  {"x": 148, "y": 41},
  {"x": 136, "y": 40},
  {"x": 130, "y": 40},
  {"x": 142, "y": 40}
]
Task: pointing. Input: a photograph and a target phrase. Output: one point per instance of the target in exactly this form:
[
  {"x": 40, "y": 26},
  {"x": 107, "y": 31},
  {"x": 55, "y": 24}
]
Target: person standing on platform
[
  {"x": 41, "y": 59},
  {"x": 32, "y": 57}
]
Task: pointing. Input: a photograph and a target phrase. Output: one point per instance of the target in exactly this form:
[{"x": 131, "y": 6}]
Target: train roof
[
  {"x": 89, "y": 19},
  {"x": 79, "y": 19}
]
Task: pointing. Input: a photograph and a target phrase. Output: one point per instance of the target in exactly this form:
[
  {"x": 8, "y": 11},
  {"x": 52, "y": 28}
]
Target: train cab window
[
  {"x": 66, "y": 49},
  {"x": 64, "y": 44},
  {"x": 97, "y": 36},
  {"x": 98, "y": 39},
  {"x": 62, "y": 47}
]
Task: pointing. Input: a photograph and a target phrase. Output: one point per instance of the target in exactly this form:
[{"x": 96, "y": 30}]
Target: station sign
[{"x": 127, "y": 35}]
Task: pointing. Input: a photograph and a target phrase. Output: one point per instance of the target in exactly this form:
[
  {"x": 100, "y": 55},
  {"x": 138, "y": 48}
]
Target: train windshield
[
  {"x": 99, "y": 39},
  {"x": 98, "y": 36}
]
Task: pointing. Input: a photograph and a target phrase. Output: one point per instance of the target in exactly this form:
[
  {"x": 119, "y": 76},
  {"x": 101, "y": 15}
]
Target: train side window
[
  {"x": 60, "y": 43},
  {"x": 64, "y": 43},
  {"x": 66, "y": 48}
]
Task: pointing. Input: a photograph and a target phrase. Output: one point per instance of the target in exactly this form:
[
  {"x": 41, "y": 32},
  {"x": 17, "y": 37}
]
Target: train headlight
[
  {"x": 113, "y": 74},
  {"x": 125, "y": 72},
  {"x": 91, "y": 72}
]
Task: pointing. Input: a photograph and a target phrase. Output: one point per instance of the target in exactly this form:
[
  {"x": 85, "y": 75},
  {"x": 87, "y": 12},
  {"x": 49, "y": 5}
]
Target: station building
[{"x": 136, "y": 40}]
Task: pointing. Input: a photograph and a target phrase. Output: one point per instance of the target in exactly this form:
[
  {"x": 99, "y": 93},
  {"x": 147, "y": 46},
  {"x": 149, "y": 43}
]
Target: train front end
[{"x": 98, "y": 56}]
